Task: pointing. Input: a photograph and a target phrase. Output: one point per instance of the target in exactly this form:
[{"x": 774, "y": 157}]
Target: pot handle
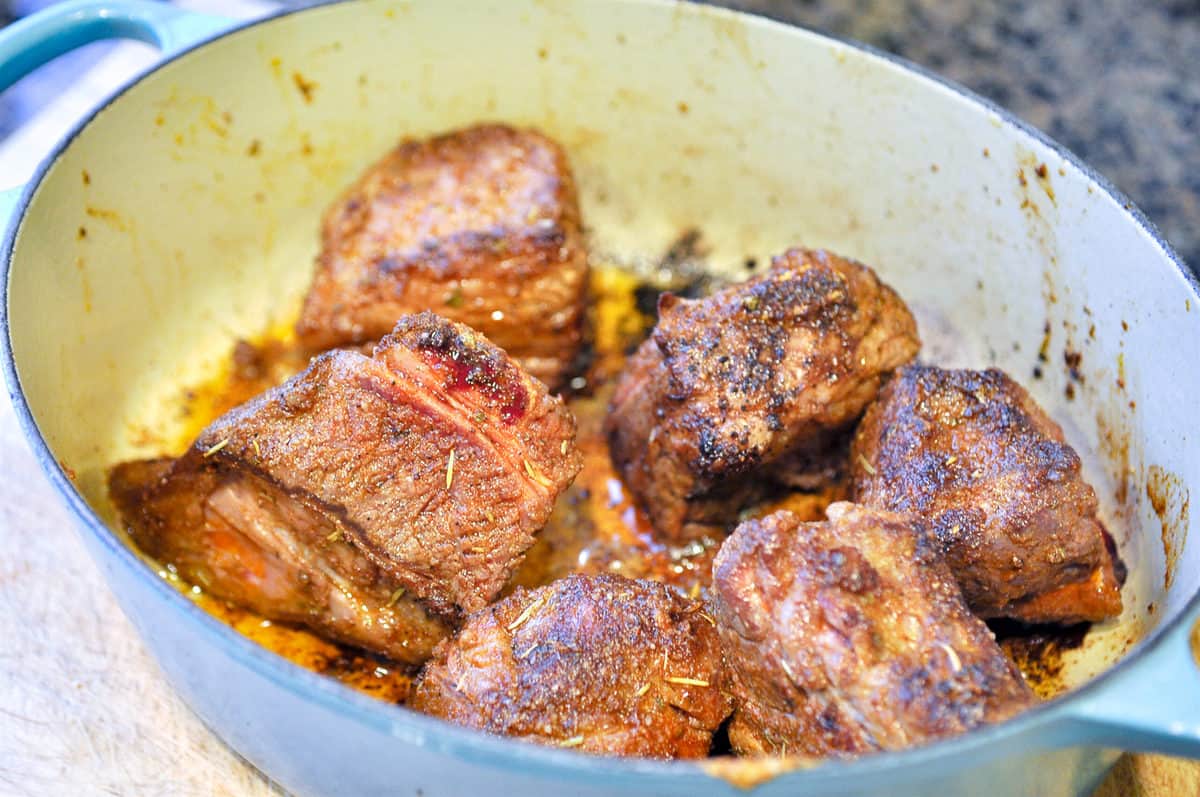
[
  {"x": 40, "y": 38},
  {"x": 1151, "y": 704}
]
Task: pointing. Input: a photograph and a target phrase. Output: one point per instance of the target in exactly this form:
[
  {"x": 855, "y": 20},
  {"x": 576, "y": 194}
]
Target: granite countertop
[{"x": 1115, "y": 81}]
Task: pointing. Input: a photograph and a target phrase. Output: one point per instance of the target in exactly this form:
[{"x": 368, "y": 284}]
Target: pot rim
[{"x": 409, "y": 726}]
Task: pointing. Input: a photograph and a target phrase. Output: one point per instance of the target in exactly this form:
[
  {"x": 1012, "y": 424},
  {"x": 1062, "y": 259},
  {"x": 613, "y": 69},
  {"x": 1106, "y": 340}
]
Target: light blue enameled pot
[{"x": 183, "y": 214}]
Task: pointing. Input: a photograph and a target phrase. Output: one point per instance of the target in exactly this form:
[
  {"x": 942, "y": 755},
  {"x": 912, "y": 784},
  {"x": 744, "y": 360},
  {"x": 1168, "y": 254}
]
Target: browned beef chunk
[
  {"x": 851, "y": 636},
  {"x": 601, "y": 663},
  {"x": 726, "y": 387},
  {"x": 243, "y": 539},
  {"x": 480, "y": 225},
  {"x": 416, "y": 477},
  {"x": 972, "y": 452}
]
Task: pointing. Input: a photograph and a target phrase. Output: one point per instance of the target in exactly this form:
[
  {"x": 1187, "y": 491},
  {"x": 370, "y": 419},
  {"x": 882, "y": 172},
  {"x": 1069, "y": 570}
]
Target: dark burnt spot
[
  {"x": 689, "y": 246},
  {"x": 1038, "y": 650},
  {"x": 681, "y": 271},
  {"x": 1041, "y": 171},
  {"x": 1073, "y": 360},
  {"x": 828, "y": 720},
  {"x": 1120, "y": 569},
  {"x": 645, "y": 297},
  {"x": 718, "y": 456}
]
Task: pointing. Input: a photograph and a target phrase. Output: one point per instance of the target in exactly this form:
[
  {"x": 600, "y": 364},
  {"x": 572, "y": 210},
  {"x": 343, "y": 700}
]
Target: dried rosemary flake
[
  {"x": 337, "y": 535},
  {"x": 562, "y": 448},
  {"x": 645, "y": 688},
  {"x": 257, "y": 450},
  {"x": 955, "y": 661},
  {"x": 397, "y": 595},
  {"x": 450, "y": 469},
  {"x": 867, "y": 466},
  {"x": 951, "y": 460},
  {"x": 708, "y": 618},
  {"x": 695, "y": 591},
  {"x": 675, "y": 679},
  {"x": 535, "y": 474},
  {"x": 525, "y": 615},
  {"x": 216, "y": 448},
  {"x": 574, "y": 741}
]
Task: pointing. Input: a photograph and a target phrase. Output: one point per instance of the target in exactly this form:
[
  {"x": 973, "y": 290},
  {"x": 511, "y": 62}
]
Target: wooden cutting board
[{"x": 84, "y": 709}]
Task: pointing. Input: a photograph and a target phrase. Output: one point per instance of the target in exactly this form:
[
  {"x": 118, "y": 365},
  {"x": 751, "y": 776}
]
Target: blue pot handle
[
  {"x": 1151, "y": 704},
  {"x": 40, "y": 38},
  {"x": 31, "y": 42}
]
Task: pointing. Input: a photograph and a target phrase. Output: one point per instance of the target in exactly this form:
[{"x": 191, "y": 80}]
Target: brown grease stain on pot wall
[
  {"x": 1170, "y": 498},
  {"x": 1196, "y": 642}
]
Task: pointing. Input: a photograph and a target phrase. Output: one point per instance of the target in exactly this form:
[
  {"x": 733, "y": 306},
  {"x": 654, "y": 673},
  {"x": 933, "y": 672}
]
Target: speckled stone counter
[{"x": 1115, "y": 81}]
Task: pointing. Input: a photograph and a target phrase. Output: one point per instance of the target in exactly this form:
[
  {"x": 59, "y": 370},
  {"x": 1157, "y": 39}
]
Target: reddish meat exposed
[
  {"x": 728, "y": 386},
  {"x": 480, "y": 225},
  {"x": 974, "y": 453},
  {"x": 600, "y": 663},
  {"x": 411, "y": 480},
  {"x": 850, "y": 636}
]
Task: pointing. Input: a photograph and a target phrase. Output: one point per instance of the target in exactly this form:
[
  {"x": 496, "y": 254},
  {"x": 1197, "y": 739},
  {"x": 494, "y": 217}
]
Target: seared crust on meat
[
  {"x": 1002, "y": 489},
  {"x": 480, "y": 225},
  {"x": 851, "y": 636},
  {"x": 599, "y": 663},
  {"x": 411, "y": 481},
  {"x": 439, "y": 455},
  {"x": 728, "y": 385},
  {"x": 243, "y": 540}
]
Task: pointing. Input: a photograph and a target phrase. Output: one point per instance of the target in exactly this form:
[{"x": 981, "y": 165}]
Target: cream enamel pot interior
[{"x": 183, "y": 214}]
